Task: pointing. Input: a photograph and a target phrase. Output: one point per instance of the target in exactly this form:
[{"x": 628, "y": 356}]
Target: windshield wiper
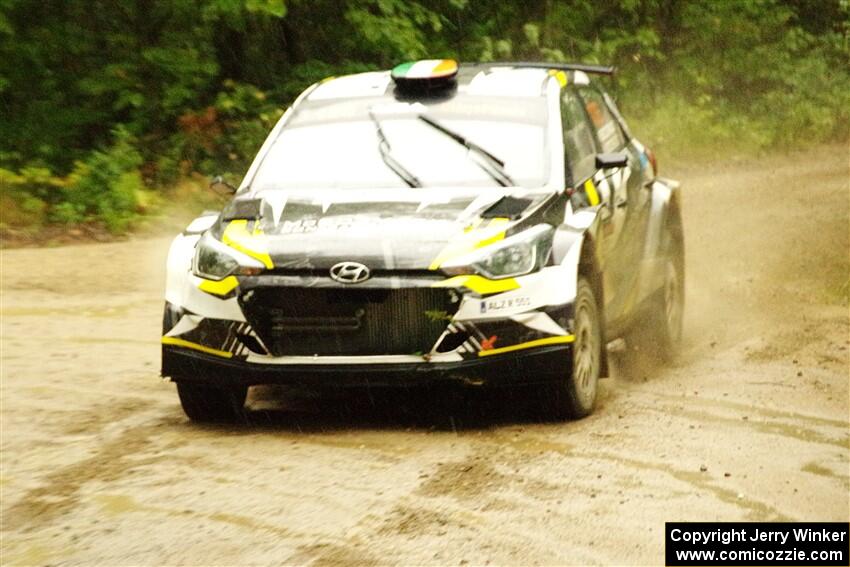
[
  {"x": 492, "y": 166},
  {"x": 386, "y": 155}
]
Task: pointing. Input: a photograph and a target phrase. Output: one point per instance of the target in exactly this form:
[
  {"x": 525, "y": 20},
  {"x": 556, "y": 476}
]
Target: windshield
[{"x": 337, "y": 145}]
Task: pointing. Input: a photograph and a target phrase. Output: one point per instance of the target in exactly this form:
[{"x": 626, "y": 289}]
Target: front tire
[
  {"x": 209, "y": 404},
  {"x": 575, "y": 393}
]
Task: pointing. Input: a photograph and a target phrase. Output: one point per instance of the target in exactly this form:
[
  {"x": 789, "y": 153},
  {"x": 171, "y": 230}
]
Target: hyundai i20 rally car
[{"x": 486, "y": 224}]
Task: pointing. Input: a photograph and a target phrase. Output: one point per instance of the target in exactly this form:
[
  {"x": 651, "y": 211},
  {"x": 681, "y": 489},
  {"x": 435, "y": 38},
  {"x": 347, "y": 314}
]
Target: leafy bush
[
  {"x": 104, "y": 187},
  {"x": 27, "y": 196},
  {"x": 224, "y": 136}
]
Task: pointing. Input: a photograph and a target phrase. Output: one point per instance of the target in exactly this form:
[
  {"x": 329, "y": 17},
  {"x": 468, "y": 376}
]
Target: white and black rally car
[{"x": 490, "y": 223}]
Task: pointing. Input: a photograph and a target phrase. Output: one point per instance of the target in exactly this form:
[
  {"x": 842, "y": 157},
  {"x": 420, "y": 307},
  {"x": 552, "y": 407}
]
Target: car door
[
  {"x": 623, "y": 229},
  {"x": 592, "y": 188},
  {"x": 640, "y": 177}
]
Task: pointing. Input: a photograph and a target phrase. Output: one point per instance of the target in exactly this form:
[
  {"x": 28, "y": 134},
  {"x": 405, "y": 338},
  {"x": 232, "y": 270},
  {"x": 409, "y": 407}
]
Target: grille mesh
[{"x": 355, "y": 322}]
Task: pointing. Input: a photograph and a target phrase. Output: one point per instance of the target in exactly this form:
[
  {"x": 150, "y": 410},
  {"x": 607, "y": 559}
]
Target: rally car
[{"x": 492, "y": 223}]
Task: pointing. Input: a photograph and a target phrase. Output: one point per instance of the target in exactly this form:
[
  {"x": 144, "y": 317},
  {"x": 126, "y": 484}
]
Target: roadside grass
[
  {"x": 683, "y": 131},
  {"x": 25, "y": 222}
]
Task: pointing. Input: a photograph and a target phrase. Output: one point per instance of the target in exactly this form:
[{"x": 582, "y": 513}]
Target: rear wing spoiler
[{"x": 594, "y": 69}]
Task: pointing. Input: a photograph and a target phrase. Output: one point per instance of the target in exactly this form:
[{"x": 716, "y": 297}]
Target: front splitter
[{"x": 534, "y": 366}]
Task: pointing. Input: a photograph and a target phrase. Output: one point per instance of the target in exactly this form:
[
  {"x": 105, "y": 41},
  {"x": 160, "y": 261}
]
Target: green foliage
[
  {"x": 227, "y": 133},
  {"x": 105, "y": 187},
  {"x": 679, "y": 129},
  {"x": 394, "y": 29},
  {"x": 104, "y": 100},
  {"x": 19, "y": 201},
  {"x": 744, "y": 74}
]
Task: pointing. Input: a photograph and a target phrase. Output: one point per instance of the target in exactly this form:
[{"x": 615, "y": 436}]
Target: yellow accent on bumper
[
  {"x": 529, "y": 344},
  {"x": 479, "y": 284},
  {"x": 592, "y": 195},
  {"x": 174, "y": 341},
  {"x": 222, "y": 287},
  {"x": 253, "y": 244}
]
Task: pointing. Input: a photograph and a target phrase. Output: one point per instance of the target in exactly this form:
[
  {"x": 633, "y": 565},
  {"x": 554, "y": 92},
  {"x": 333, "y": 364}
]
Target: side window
[
  {"x": 616, "y": 111},
  {"x": 579, "y": 146},
  {"x": 608, "y": 131}
]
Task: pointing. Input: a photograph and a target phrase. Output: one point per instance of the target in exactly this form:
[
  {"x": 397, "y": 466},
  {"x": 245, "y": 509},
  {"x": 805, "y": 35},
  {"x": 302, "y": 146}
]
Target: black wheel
[
  {"x": 670, "y": 310},
  {"x": 574, "y": 391},
  {"x": 212, "y": 404},
  {"x": 659, "y": 333}
]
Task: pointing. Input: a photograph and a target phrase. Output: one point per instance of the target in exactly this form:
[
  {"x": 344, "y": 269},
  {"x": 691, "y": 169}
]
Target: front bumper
[
  {"x": 489, "y": 332},
  {"x": 533, "y": 366}
]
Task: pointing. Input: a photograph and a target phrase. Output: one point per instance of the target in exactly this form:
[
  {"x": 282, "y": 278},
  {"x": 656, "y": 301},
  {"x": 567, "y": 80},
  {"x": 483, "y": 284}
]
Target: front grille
[{"x": 354, "y": 322}]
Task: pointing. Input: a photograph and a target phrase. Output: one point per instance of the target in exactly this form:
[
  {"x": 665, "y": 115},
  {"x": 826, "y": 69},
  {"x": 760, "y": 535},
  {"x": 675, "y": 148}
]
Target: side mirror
[
  {"x": 611, "y": 161},
  {"x": 222, "y": 187}
]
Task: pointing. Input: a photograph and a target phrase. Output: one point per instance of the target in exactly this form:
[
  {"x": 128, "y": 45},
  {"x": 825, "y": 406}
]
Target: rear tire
[
  {"x": 208, "y": 404},
  {"x": 574, "y": 394},
  {"x": 658, "y": 333},
  {"x": 666, "y": 330}
]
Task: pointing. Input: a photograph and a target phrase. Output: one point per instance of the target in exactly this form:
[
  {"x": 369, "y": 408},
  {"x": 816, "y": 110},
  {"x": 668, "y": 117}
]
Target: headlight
[
  {"x": 517, "y": 255},
  {"x": 215, "y": 261}
]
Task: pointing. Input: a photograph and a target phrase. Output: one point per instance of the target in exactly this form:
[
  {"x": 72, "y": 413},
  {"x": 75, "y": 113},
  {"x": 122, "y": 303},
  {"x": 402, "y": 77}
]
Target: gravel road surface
[{"x": 99, "y": 465}]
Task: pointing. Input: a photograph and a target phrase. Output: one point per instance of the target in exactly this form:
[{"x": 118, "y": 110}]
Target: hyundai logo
[{"x": 350, "y": 272}]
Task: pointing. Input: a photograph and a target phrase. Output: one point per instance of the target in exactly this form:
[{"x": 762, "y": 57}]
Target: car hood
[{"x": 385, "y": 230}]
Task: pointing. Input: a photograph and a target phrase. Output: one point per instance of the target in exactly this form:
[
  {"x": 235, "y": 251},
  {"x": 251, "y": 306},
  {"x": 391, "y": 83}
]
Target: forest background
[{"x": 116, "y": 111}]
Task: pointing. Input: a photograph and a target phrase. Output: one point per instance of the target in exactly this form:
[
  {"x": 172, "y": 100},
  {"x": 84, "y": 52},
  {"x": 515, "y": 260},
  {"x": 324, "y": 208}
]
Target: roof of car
[{"x": 473, "y": 79}]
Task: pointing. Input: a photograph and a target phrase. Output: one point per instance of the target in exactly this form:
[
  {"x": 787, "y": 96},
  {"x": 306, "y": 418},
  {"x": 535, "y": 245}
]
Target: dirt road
[{"x": 99, "y": 465}]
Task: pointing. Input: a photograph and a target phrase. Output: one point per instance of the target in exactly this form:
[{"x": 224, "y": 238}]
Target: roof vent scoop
[{"x": 425, "y": 76}]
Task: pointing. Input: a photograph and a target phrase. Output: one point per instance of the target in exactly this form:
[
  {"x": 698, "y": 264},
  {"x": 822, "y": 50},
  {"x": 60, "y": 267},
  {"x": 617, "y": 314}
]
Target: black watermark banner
[{"x": 755, "y": 543}]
